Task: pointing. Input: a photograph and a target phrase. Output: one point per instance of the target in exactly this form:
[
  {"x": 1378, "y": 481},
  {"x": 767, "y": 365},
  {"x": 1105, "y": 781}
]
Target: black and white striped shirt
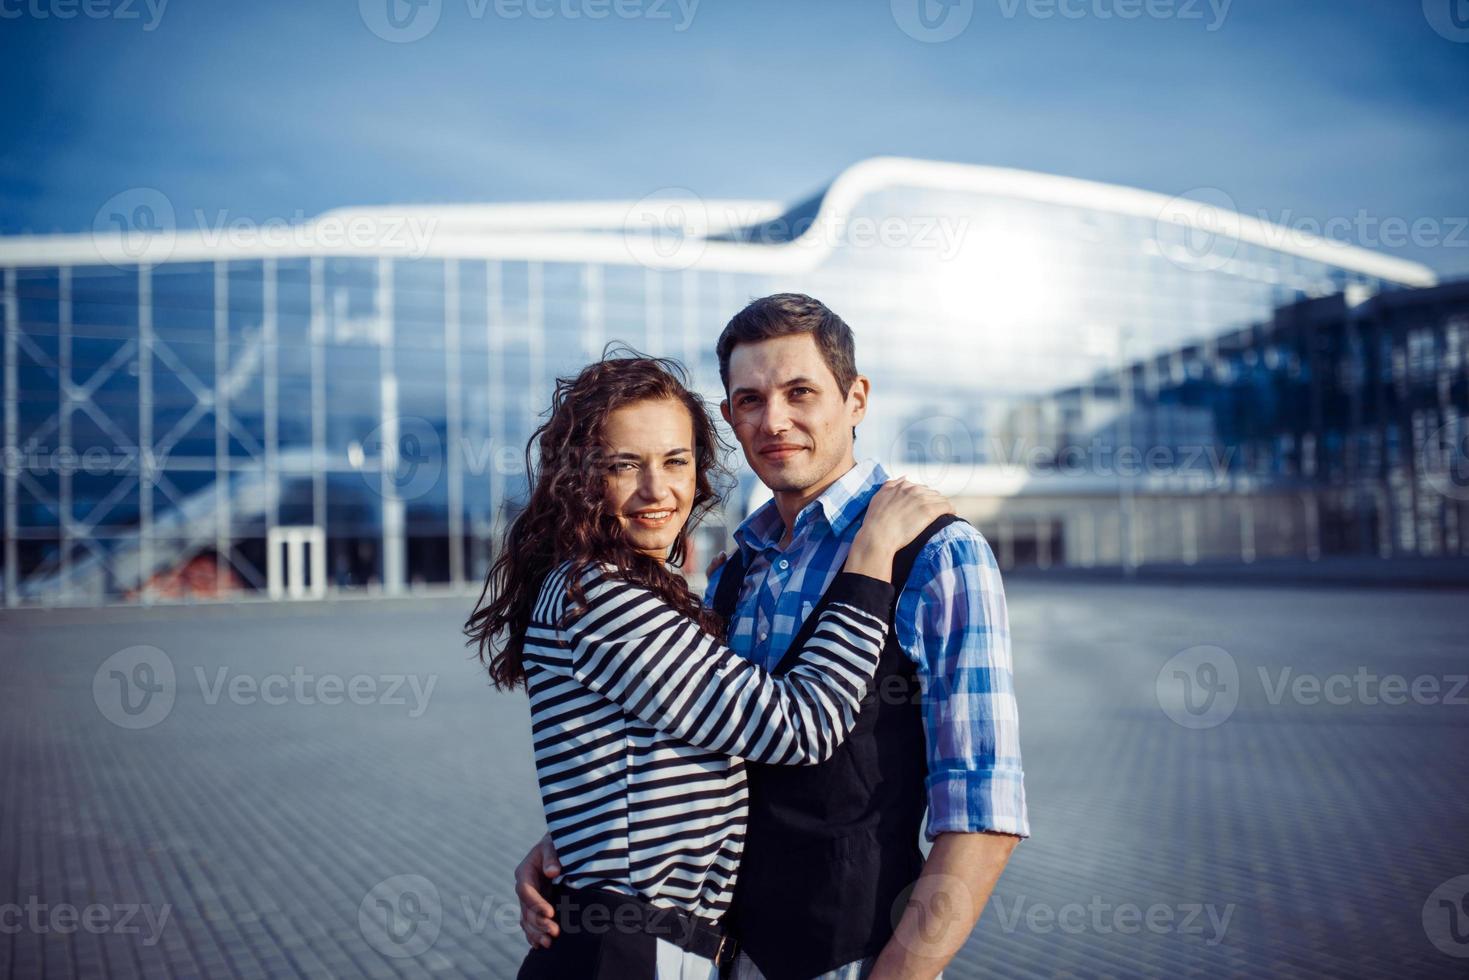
[{"x": 641, "y": 722}]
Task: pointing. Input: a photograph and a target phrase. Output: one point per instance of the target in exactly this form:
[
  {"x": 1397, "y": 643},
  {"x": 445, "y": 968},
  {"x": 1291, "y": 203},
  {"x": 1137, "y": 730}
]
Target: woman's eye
[{"x": 621, "y": 467}]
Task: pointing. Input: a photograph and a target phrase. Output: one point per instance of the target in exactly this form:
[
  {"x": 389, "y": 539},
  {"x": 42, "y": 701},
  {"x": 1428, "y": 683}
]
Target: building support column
[
  {"x": 223, "y": 477},
  {"x": 452, "y": 396},
  {"x": 145, "y": 431},
  {"x": 12, "y": 437},
  {"x": 394, "y": 545}
]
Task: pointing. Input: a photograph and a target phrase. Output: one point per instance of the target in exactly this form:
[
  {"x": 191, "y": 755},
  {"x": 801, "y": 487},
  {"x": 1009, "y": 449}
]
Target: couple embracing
[{"x": 736, "y": 786}]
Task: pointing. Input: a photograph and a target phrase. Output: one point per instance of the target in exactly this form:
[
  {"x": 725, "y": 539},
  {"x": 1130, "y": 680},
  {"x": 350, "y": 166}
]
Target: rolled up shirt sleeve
[{"x": 952, "y": 621}]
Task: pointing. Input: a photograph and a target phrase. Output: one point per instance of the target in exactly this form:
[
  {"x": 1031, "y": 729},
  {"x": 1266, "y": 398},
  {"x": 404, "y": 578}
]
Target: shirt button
[
  {"x": 784, "y": 564},
  {"x": 763, "y": 635}
]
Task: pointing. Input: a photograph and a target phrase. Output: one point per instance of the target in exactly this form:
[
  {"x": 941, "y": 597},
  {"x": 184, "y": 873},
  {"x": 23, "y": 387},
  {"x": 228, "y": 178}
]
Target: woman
[{"x": 640, "y": 715}]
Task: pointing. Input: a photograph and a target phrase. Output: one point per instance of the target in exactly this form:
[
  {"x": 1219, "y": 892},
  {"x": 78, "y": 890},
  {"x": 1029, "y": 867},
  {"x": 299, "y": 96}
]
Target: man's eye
[
  {"x": 681, "y": 461},
  {"x": 801, "y": 391}
]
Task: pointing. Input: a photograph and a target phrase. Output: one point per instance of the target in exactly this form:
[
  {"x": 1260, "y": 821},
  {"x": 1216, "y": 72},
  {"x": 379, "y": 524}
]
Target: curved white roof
[
  {"x": 469, "y": 219},
  {"x": 615, "y": 232}
]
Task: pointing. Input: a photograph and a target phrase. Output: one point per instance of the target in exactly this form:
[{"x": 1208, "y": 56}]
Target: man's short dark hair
[{"x": 783, "y": 315}]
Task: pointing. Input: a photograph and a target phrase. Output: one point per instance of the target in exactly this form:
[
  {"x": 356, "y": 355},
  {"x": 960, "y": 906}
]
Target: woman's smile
[{"x": 653, "y": 518}]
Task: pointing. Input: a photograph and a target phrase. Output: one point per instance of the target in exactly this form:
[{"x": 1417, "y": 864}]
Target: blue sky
[{"x": 1300, "y": 111}]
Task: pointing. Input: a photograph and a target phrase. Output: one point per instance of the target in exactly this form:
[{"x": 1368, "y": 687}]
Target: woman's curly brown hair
[{"x": 564, "y": 518}]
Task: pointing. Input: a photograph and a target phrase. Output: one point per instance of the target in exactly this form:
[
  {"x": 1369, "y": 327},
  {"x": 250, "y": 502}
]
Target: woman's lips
[{"x": 652, "y": 519}]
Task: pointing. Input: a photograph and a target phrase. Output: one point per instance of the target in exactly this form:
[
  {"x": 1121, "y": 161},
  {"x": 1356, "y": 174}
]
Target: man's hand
[
  {"x": 532, "y": 876},
  {"x": 714, "y": 564}
]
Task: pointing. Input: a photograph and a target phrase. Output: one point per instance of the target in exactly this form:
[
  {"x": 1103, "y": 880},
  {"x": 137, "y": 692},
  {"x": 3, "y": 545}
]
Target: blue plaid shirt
[{"x": 951, "y": 621}]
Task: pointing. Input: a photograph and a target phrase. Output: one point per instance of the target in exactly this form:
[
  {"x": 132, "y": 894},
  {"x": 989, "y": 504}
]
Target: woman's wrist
[{"x": 870, "y": 557}]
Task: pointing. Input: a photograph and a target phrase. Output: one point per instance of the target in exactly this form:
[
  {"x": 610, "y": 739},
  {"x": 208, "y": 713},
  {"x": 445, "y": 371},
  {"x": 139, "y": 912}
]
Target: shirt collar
[{"x": 838, "y": 505}]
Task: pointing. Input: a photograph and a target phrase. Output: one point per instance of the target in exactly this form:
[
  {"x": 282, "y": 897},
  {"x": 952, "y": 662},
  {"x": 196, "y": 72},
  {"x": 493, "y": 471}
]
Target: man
[{"x": 827, "y": 884}]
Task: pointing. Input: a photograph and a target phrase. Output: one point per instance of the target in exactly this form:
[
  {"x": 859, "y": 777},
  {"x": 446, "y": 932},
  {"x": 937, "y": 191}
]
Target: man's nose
[{"x": 775, "y": 418}]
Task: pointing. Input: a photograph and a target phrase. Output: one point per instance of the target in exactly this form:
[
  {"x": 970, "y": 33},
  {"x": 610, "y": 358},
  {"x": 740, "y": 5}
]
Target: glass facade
[
  {"x": 1344, "y": 424},
  {"x": 171, "y": 428}
]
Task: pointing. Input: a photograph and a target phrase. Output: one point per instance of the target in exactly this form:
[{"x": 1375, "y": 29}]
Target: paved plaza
[{"x": 1223, "y": 781}]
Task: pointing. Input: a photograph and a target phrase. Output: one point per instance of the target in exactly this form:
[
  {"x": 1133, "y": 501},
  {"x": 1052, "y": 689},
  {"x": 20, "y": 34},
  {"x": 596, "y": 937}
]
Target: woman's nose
[{"x": 653, "y": 485}]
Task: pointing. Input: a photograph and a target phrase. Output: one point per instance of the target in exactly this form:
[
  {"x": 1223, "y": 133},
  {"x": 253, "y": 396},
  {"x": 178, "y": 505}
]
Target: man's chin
[{"x": 779, "y": 480}]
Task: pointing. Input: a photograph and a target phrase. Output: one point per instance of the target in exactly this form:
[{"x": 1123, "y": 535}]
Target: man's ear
[
  {"x": 857, "y": 398},
  {"x": 724, "y": 410}
]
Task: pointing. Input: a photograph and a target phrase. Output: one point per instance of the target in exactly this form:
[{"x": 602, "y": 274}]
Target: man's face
[{"x": 793, "y": 422}]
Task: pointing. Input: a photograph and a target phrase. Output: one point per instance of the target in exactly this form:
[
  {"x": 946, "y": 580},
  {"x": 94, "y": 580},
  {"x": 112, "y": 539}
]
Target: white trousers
[
  {"x": 746, "y": 970},
  {"x": 679, "y": 964}
]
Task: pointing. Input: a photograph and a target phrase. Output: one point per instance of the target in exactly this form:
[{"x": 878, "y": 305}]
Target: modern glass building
[
  {"x": 344, "y": 403},
  {"x": 1338, "y": 427}
]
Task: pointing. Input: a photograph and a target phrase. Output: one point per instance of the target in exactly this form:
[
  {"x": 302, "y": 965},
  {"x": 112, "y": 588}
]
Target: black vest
[{"x": 832, "y": 848}]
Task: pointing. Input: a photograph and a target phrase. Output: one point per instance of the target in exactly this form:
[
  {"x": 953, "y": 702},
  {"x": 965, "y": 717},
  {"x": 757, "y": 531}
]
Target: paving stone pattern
[{"x": 235, "y": 823}]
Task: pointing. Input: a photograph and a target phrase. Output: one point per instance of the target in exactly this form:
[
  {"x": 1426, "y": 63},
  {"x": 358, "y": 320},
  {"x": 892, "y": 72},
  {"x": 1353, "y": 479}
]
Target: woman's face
[{"x": 650, "y": 474}]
